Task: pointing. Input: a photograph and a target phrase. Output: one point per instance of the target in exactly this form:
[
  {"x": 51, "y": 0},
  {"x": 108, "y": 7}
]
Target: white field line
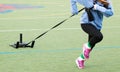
[
  {"x": 58, "y": 15},
  {"x": 31, "y": 18},
  {"x": 61, "y": 15},
  {"x": 57, "y": 29}
]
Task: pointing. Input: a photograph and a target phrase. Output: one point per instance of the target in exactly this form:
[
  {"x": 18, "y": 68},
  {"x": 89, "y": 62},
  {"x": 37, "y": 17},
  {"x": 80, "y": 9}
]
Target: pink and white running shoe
[
  {"x": 80, "y": 63},
  {"x": 86, "y": 51}
]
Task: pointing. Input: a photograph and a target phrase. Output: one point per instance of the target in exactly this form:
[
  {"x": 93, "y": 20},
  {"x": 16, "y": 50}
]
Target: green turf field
[{"x": 57, "y": 50}]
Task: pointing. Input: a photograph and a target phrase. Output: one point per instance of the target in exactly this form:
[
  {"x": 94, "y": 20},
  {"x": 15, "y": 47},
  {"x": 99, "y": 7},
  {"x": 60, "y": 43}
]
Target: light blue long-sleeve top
[{"x": 97, "y": 13}]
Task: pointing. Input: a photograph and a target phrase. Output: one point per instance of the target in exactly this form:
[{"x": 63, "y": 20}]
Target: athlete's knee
[{"x": 99, "y": 37}]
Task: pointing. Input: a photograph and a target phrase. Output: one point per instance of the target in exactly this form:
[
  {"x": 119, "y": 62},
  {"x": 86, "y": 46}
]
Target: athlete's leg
[{"x": 94, "y": 34}]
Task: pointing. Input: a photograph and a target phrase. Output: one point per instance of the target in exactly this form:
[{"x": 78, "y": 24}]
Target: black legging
[{"x": 94, "y": 35}]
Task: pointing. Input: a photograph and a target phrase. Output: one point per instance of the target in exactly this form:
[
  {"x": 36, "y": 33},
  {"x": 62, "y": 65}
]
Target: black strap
[
  {"x": 88, "y": 10},
  {"x": 90, "y": 15}
]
